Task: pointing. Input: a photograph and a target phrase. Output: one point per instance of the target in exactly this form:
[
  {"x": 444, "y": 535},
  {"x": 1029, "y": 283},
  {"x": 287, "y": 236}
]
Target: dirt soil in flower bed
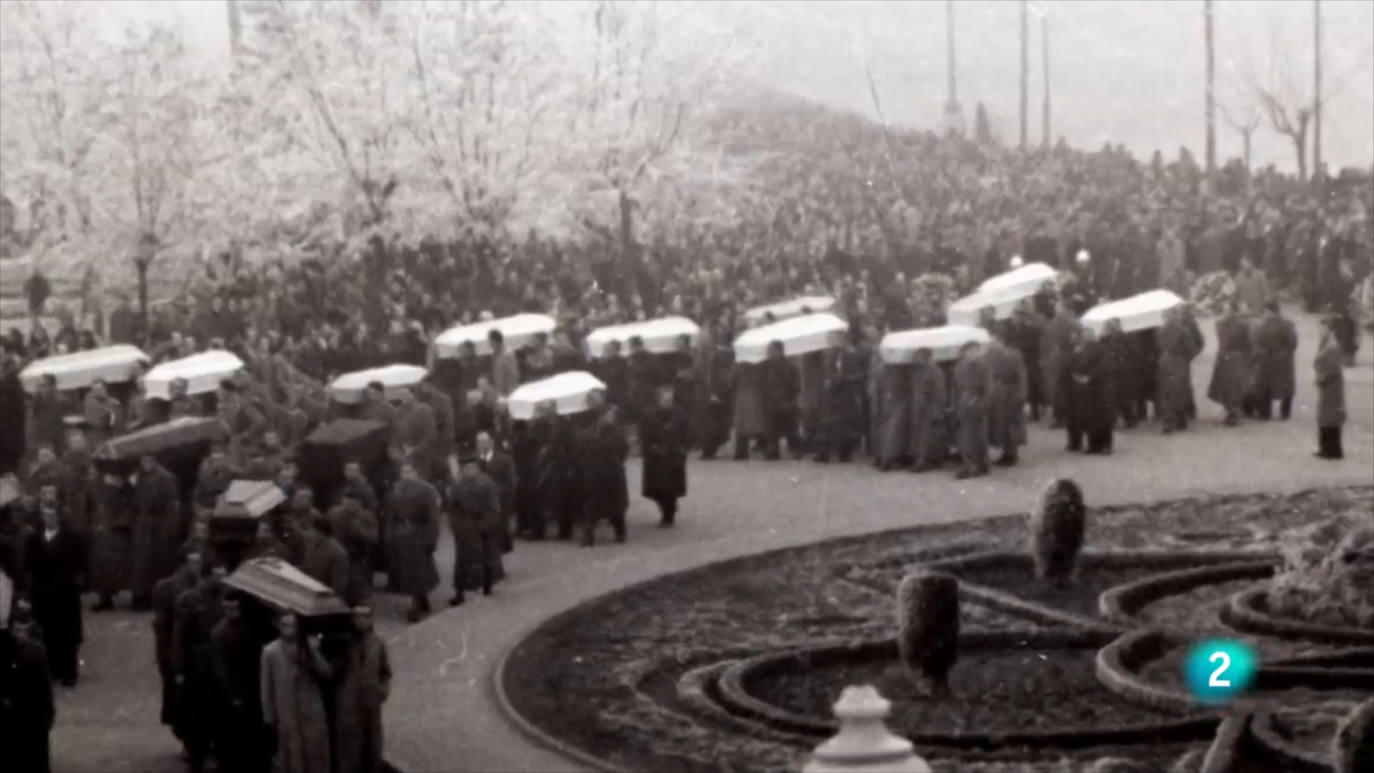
[
  {"x": 995, "y": 691},
  {"x": 603, "y": 678},
  {"x": 1079, "y": 597}
]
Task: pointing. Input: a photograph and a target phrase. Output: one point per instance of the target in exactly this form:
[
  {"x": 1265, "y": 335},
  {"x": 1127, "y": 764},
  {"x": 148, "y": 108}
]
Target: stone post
[{"x": 864, "y": 744}]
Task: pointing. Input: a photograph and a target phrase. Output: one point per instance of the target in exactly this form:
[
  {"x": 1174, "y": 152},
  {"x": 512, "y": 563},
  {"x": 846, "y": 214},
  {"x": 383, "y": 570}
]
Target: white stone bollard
[{"x": 864, "y": 744}]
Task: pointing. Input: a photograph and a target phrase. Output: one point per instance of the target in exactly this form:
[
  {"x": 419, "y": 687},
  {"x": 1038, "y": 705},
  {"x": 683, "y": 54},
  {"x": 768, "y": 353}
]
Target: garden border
[
  {"x": 734, "y": 692},
  {"x": 1117, "y": 663},
  {"x": 1247, "y": 612},
  {"x": 1266, "y": 735},
  {"x": 1124, "y": 602}
]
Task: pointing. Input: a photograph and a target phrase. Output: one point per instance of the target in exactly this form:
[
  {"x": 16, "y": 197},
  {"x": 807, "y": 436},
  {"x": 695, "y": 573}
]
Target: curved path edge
[{"x": 446, "y": 711}]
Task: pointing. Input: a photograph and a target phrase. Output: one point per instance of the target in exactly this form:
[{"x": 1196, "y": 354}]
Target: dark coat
[
  {"x": 412, "y": 534},
  {"x": 200, "y": 701},
  {"x": 355, "y": 529},
  {"x": 242, "y": 741},
  {"x": 1176, "y": 355},
  {"x": 779, "y": 387},
  {"x": 614, "y": 373},
  {"x": 665, "y": 440},
  {"x": 165, "y": 595},
  {"x": 1007, "y": 400},
  {"x": 1330, "y": 384},
  {"x": 44, "y": 422},
  {"x": 157, "y": 529},
  {"x": 1056, "y": 346},
  {"x": 750, "y": 419},
  {"x": 926, "y": 437},
  {"x": 1231, "y": 372},
  {"x": 57, "y": 570},
  {"x": 501, "y": 469},
  {"x": 894, "y": 413},
  {"x": 1089, "y": 401},
  {"x": 1125, "y": 366},
  {"x": 712, "y": 406},
  {"x": 474, "y": 516},
  {"x": 972, "y": 393},
  {"x": 1276, "y": 342},
  {"x": 14, "y": 418},
  {"x": 601, "y": 452},
  {"x": 845, "y": 394},
  {"x": 27, "y": 709},
  {"x": 364, "y": 684},
  {"x": 324, "y": 559}
]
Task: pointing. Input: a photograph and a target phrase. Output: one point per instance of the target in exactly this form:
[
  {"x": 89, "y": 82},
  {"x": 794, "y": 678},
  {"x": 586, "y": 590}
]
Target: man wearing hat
[
  {"x": 27, "y": 710},
  {"x": 1276, "y": 341},
  {"x": 412, "y": 534},
  {"x": 375, "y": 406}
]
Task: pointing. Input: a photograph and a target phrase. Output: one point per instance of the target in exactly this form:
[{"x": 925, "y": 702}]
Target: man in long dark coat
[
  {"x": 1088, "y": 391},
  {"x": 779, "y": 386},
  {"x": 894, "y": 416},
  {"x": 1056, "y": 343},
  {"x": 1175, "y": 372},
  {"x": 157, "y": 529},
  {"x": 200, "y": 702},
  {"x": 1196, "y": 342},
  {"x": 1276, "y": 342},
  {"x": 364, "y": 683},
  {"x": 498, "y": 466},
  {"x": 1125, "y": 370},
  {"x": 242, "y": 741},
  {"x": 843, "y": 410},
  {"x": 927, "y": 441},
  {"x": 27, "y": 709},
  {"x": 1231, "y": 371},
  {"x": 13, "y": 413},
  {"x": 111, "y": 540},
  {"x": 165, "y": 595},
  {"x": 324, "y": 559},
  {"x": 812, "y": 375},
  {"x": 643, "y": 374},
  {"x": 474, "y": 515},
  {"x": 1026, "y": 329},
  {"x": 750, "y": 419},
  {"x": 712, "y": 408},
  {"x": 412, "y": 533},
  {"x": 613, "y": 371},
  {"x": 1007, "y": 400},
  {"x": 665, "y": 440},
  {"x": 972, "y": 389},
  {"x": 56, "y": 563},
  {"x": 601, "y": 452}
]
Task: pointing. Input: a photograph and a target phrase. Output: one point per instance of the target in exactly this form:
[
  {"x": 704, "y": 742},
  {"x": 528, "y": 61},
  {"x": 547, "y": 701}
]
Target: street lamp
[{"x": 144, "y": 252}]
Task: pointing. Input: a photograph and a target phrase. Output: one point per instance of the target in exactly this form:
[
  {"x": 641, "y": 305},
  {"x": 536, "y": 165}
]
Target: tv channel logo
[{"x": 1217, "y": 671}]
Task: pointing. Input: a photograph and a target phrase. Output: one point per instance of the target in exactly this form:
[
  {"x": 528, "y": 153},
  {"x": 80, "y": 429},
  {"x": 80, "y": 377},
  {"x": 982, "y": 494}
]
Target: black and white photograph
[{"x": 604, "y": 386}]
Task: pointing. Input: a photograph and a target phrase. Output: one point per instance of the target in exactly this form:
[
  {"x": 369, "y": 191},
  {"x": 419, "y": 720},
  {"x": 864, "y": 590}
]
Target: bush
[
  {"x": 1328, "y": 575},
  {"x": 1353, "y": 747},
  {"x": 1056, "y": 530},
  {"x": 931, "y": 293},
  {"x": 1212, "y": 292},
  {"x": 928, "y": 628}
]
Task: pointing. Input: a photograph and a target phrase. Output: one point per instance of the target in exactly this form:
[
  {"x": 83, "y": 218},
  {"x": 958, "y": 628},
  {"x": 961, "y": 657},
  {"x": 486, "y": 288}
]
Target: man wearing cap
[
  {"x": 27, "y": 709},
  {"x": 375, "y": 406},
  {"x": 1056, "y": 345},
  {"x": 474, "y": 516},
  {"x": 323, "y": 558},
  {"x": 666, "y": 440},
  {"x": 416, "y": 432},
  {"x": 364, "y": 685},
  {"x": 103, "y": 414},
  {"x": 412, "y": 534},
  {"x": 179, "y": 403},
  {"x": 1175, "y": 377},
  {"x": 601, "y": 449}
]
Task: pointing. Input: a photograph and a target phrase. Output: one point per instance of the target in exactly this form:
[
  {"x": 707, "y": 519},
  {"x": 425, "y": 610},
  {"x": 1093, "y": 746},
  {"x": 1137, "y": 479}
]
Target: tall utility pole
[
  {"x": 954, "y": 115},
  {"x": 235, "y": 26},
  {"x": 1317, "y": 174},
  {"x": 1045, "y": 65},
  {"x": 1211, "y": 100},
  {"x": 1025, "y": 70}
]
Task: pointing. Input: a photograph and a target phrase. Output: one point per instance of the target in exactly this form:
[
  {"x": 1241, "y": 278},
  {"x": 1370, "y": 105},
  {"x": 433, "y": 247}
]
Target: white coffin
[
  {"x": 349, "y": 387},
  {"x": 568, "y": 391},
  {"x": 1028, "y": 279},
  {"x": 518, "y": 330},
  {"x": 202, "y": 372},
  {"x": 660, "y": 335},
  {"x": 79, "y": 370},
  {"x": 1138, "y": 312},
  {"x": 795, "y": 307},
  {"x": 943, "y": 342},
  {"x": 799, "y": 335},
  {"x": 967, "y": 310}
]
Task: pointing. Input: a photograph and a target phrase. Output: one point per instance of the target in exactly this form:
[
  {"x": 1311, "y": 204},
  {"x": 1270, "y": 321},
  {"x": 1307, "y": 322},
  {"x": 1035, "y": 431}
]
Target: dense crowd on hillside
[{"x": 893, "y": 227}]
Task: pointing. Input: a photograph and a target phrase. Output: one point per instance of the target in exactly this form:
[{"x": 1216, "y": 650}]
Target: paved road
[{"x": 442, "y": 715}]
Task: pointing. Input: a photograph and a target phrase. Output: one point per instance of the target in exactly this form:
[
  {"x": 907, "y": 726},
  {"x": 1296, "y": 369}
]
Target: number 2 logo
[{"x": 1215, "y": 680}]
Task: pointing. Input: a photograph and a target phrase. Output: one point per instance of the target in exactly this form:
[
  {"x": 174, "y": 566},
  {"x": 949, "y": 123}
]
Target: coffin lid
[
  {"x": 248, "y": 499},
  {"x": 285, "y": 588}
]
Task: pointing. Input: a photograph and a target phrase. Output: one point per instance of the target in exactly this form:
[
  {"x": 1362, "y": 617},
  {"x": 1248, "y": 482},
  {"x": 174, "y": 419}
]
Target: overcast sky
[{"x": 1125, "y": 71}]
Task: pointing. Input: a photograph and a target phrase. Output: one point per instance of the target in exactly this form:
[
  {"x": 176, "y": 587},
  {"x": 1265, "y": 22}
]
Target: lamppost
[{"x": 144, "y": 253}]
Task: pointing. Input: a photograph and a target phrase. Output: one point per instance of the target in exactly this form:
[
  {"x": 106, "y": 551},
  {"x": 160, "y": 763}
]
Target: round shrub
[
  {"x": 928, "y": 628},
  {"x": 1056, "y": 530}
]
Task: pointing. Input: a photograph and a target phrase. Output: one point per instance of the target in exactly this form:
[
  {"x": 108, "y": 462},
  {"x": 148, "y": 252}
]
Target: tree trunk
[
  {"x": 1211, "y": 103},
  {"x": 1300, "y": 144},
  {"x": 142, "y": 267},
  {"x": 626, "y": 226}
]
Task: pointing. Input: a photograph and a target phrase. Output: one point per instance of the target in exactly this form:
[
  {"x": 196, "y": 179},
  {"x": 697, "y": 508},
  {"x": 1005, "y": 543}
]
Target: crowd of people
[{"x": 847, "y": 227}]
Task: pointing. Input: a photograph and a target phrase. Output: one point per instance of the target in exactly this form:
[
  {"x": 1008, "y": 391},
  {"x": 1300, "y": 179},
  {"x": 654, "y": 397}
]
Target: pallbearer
[
  {"x": 972, "y": 390},
  {"x": 1007, "y": 401},
  {"x": 412, "y": 534},
  {"x": 926, "y": 437},
  {"x": 474, "y": 516}
]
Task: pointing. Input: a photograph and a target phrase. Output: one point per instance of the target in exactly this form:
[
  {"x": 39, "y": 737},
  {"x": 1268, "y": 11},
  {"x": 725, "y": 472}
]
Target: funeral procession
[{"x": 469, "y": 385}]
